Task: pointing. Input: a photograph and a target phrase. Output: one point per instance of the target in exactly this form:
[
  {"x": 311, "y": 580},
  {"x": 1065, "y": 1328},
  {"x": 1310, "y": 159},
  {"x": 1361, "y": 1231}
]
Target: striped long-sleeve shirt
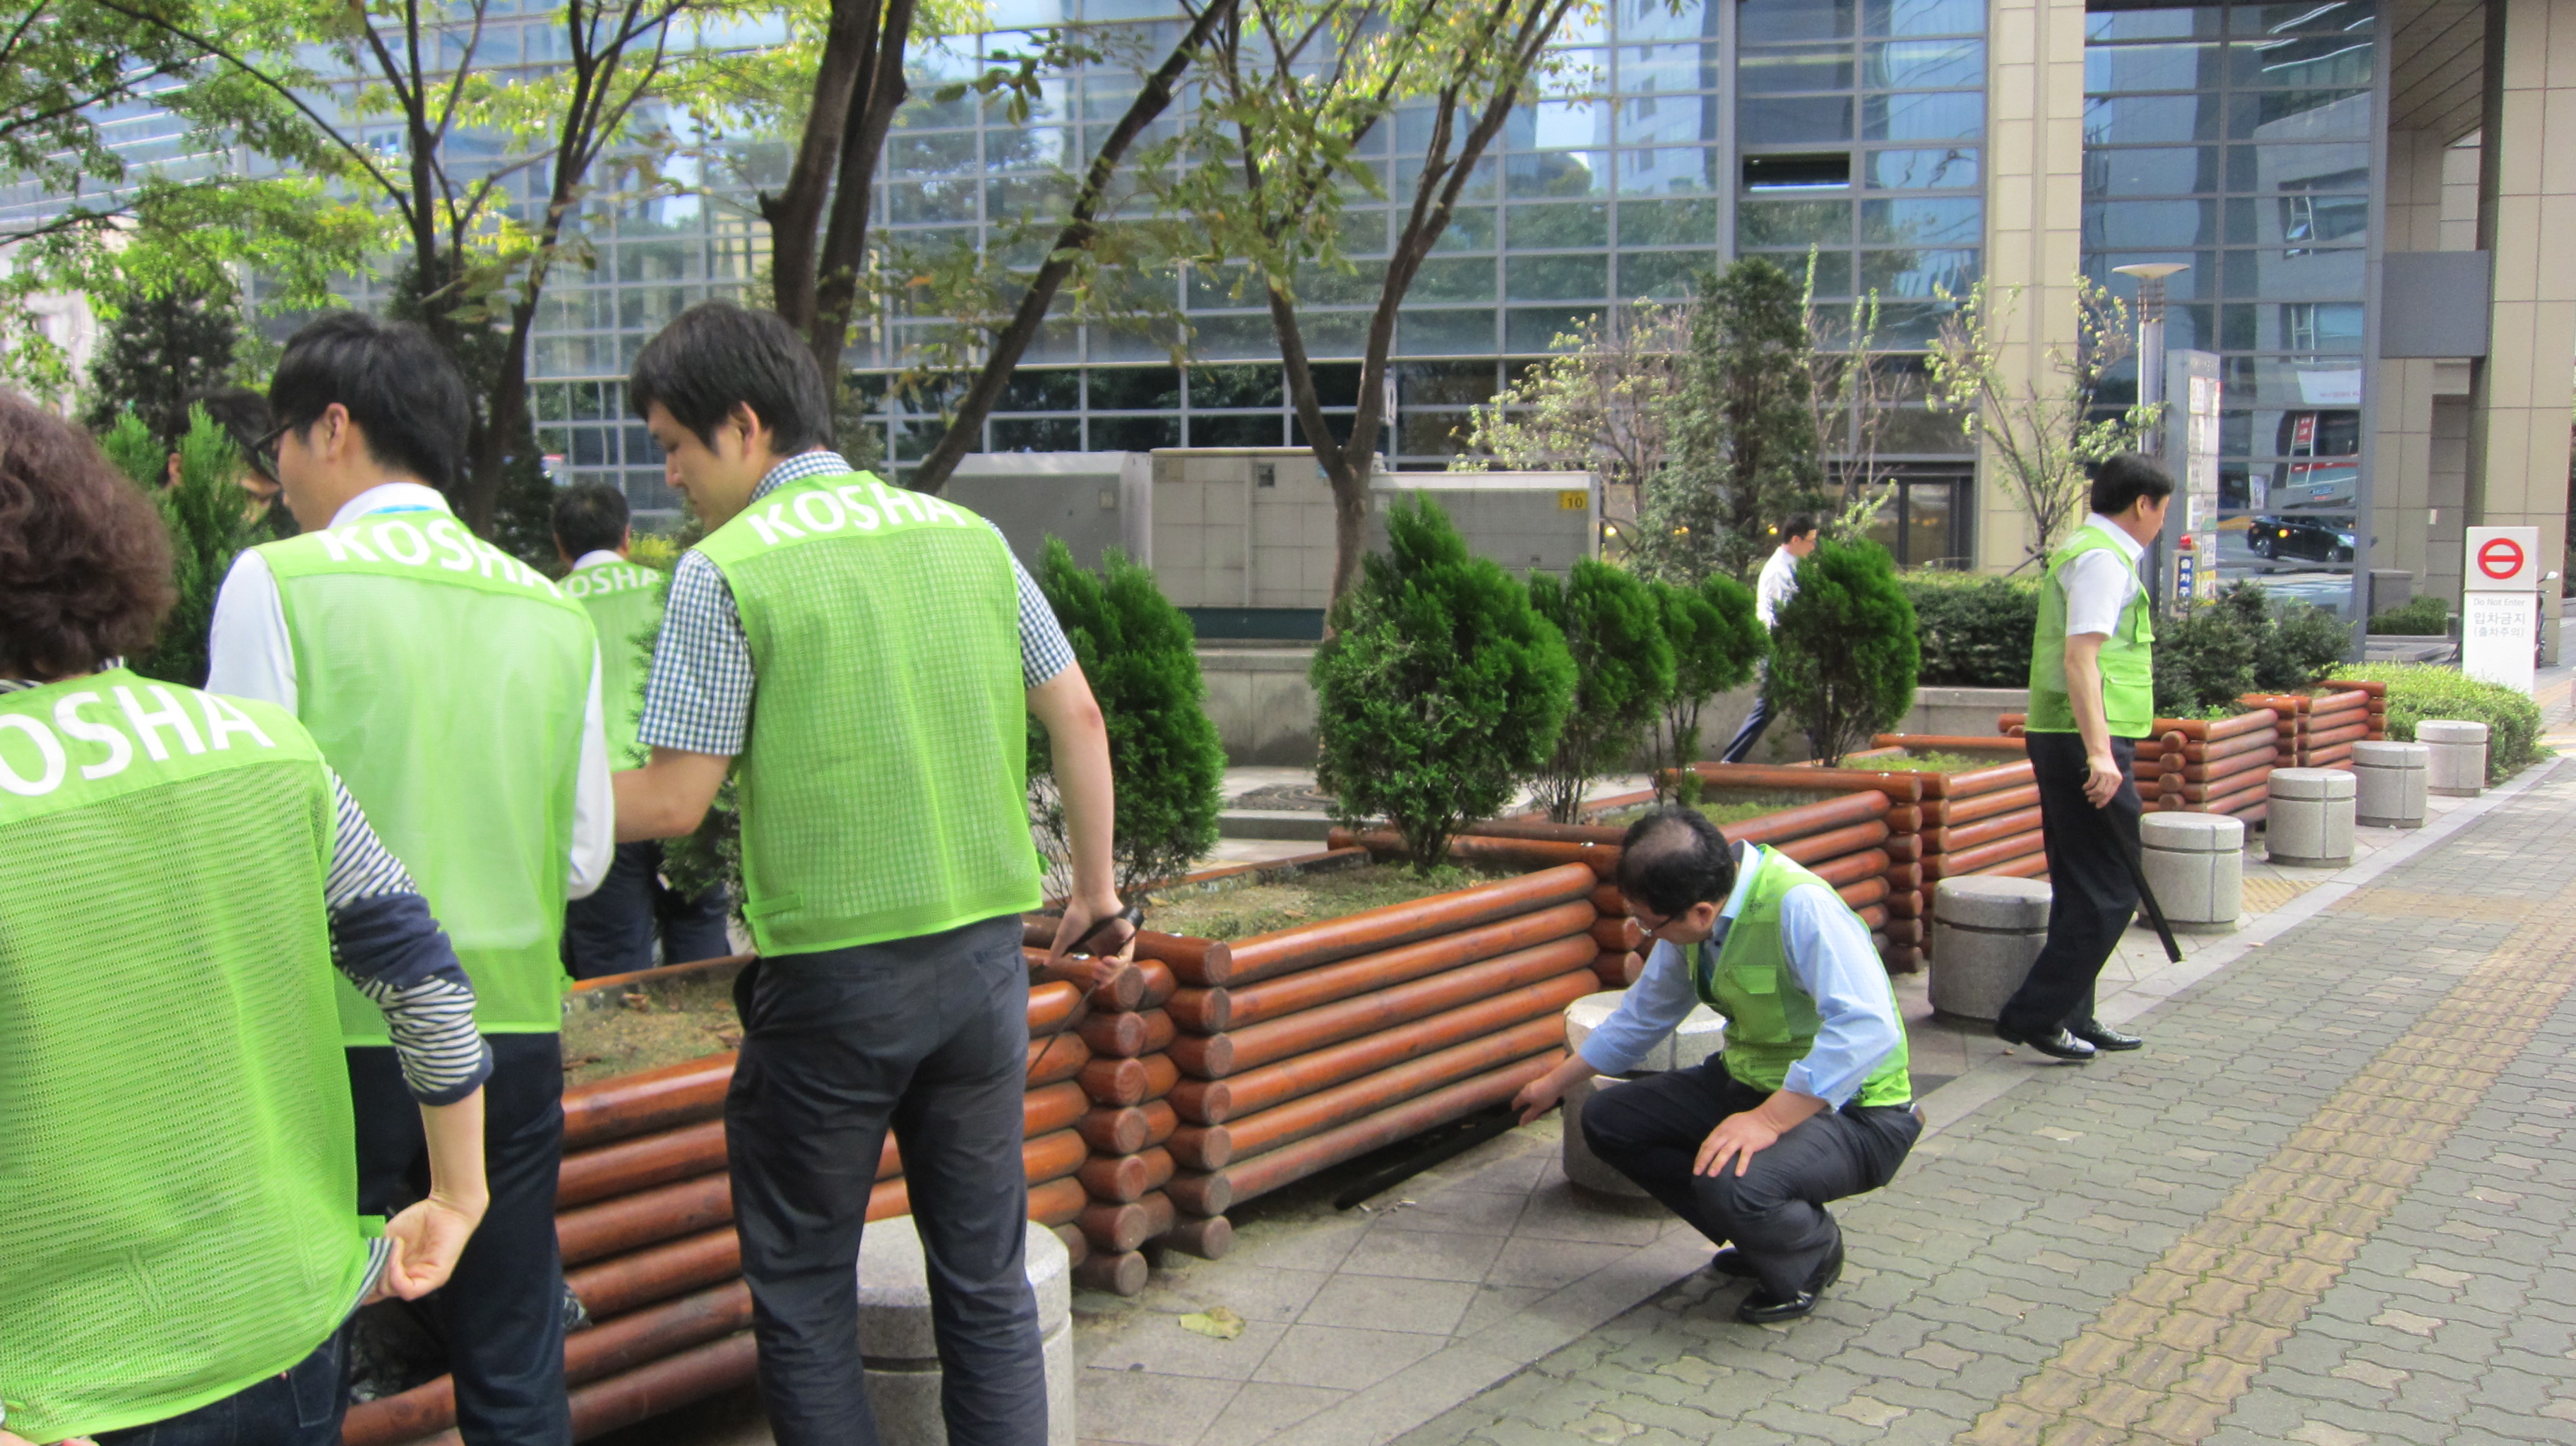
[{"x": 384, "y": 941}]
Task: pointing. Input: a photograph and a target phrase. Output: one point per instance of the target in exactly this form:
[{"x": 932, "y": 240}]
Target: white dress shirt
[
  {"x": 2098, "y": 584},
  {"x": 1778, "y": 584},
  {"x": 249, "y": 655}
]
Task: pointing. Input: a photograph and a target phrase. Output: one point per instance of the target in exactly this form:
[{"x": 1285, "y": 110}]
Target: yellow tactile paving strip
[
  {"x": 2163, "y": 1364},
  {"x": 2262, "y": 894}
]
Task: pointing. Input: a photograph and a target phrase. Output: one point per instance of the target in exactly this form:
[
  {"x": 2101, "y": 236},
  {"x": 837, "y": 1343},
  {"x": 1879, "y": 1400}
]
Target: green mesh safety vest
[
  {"x": 1771, "y": 1023},
  {"x": 625, "y": 606},
  {"x": 883, "y": 787},
  {"x": 2128, "y": 655},
  {"x": 446, "y": 682},
  {"x": 177, "y": 1193}
]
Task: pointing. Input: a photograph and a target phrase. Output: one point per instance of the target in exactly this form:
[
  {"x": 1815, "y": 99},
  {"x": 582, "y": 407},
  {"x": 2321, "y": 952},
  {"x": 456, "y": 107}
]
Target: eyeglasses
[{"x": 263, "y": 453}]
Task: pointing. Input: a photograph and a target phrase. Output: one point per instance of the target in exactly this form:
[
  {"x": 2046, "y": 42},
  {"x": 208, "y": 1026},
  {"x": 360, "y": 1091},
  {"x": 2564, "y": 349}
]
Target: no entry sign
[{"x": 2503, "y": 559}]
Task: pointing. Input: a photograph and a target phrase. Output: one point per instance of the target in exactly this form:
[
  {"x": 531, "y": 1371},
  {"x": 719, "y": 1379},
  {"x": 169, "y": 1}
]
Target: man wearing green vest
[
  {"x": 180, "y": 1242},
  {"x": 1809, "y": 1103},
  {"x": 2092, "y": 696},
  {"x": 612, "y": 931},
  {"x": 457, "y": 691},
  {"x": 863, "y": 660}
]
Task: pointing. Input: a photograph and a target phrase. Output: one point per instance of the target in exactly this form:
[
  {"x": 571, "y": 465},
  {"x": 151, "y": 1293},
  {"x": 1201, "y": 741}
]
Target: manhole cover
[{"x": 1300, "y": 797}]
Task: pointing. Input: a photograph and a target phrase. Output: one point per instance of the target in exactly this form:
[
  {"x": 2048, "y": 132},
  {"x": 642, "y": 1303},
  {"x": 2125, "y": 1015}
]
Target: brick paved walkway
[{"x": 2328, "y": 1205}]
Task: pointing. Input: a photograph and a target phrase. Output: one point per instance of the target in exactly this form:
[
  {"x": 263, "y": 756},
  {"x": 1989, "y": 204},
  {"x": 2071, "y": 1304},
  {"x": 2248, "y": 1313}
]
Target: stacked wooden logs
[
  {"x": 2353, "y": 713},
  {"x": 1981, "y": 820},
  {"x": 1898, "y": 918},
  {"x": 644, "y": 1217},
  {"x": 2289, "y": 723},
  {"x": 1128, "y": 1029},
  {"x": 2207, "y": 765},
  {"x": 1326, "y": 1041}
]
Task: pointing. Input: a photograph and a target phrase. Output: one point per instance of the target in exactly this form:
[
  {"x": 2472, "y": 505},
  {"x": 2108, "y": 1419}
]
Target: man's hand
[
  {"x": 2102, "y": 779},
  {"x": 1080, "y": 918},
  {"x": 1537, "y": 1098},
  {"x": 1739, "y": 1137},
  {"x": 426, "y": 1239}
]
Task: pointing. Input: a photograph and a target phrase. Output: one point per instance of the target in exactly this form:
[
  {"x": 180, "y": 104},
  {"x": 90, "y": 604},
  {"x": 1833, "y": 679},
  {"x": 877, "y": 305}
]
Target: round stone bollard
[
  {"x": 2389, "y": 783},
  {"x": 2458, "y": 765},
  {"x": 902, "y": 1353},
  {"x": 1702, "y": 1033},
  {"x": 2309, "y": 822},
  {"x": 2196, "y": 864},
  {"x": 1985, "y": 933}
]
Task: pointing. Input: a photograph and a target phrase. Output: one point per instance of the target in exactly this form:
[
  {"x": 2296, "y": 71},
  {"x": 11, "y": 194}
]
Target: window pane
[
  {"x": 1924, "y": 64},
  {"x": 1913, "y": 170},
  {"x": 1924, "y": 222},
  {"x": 1766, "y": 21},
  {"x": 1134, "y": 434},
  {"x": 1671, "y": 170},
  {"x": 2155, "y": 171},
  {"x": 1914, "y": 273},
  {"x": 2153, "y": 67},
  {"x": 1528, "y": 227},
  {"x": 1662, "y": 275},
  {"x": 1668, "y": 68},
  {"x": 1555, "y": 278},
  {"x": 1236, "y": 431},
  {"x": 2308, "y": 115},
  {"x": 1929, "y": 529},
  {"x": 1769, "y": 72},
  {"x": 1123, "y": 389},
  {"x": 2117, "y": 224},
  {"x": 1777, "y": 120},
  {"x": 2131, "y": 120},
  {"x": 1541, "y": 329},
  {"x": 1793, "y": 223},
  {"x": 1924, "y": 17},
  {"x": 1931, "y": 116},
  {"x": 1450, "y": 384},
  {"x": 2311, "y": 60},
  {"x": 1434, "y": 434},
  {"x": 1037, "y": 434},
  {"x": 1558, "y": 173},
  {"x": 1469, "y": 278},
  {"x": 1425, "y": 331},
  {"x": 1667, "y": 223}
]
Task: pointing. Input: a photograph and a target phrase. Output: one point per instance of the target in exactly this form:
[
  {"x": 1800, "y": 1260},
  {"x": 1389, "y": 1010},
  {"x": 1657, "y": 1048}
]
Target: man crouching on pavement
[{"x": 1810, "y": 1102}]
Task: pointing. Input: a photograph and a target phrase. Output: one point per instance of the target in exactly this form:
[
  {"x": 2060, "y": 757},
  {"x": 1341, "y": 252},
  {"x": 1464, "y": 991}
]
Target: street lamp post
[{"x": 2151, "y": 277}]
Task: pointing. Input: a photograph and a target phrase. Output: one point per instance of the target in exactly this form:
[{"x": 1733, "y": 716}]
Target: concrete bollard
[
  {"x": 2309, "y": 823},
  {"x": 2458, "y": 765},
  {"x": 902, "y": 1353},
  {"x": 1985, "y": 933},
  {"x": 1702, "y": 1033},
  {"x": 2195, "y": 862},
  {"x": 2389, "y": 783}
]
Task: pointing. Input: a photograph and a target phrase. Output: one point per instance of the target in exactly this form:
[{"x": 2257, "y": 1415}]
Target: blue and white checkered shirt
[{"x": 699, "y": 697}]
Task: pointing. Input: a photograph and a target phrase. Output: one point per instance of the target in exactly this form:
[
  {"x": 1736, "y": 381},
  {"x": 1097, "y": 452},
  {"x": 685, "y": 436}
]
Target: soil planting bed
[
  {"x": 656, "y": 1022},
  {"x": 1262, "y": 908}
]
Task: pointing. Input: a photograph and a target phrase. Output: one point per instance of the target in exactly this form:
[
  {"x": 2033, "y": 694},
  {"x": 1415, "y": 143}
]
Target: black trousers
[
  {"x": 1650, "y": 1130},
  {"x": 501, "y": 1314},
  {"x": 2089, "y": 852},
  {"x": 301, "y": 1406},
  {"x": 928, "y": 1036},
  {"x": 611, "y": 932},
  {"x": 1755, "y": 722}
]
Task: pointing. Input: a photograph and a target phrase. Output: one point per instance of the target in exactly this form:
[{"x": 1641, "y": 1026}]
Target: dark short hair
[
  {"x": 716, "y": 356},
  {"x": 406, "y": 396},
  {"x": 244, "y": 416},
  {"x": 1800, "y": 524},
  {"x": 589, "y": 517},
  {"x": 84, "y": 559},
  {"x": 1674, "y": 858},
  {"x": 2121, "y": 480}
]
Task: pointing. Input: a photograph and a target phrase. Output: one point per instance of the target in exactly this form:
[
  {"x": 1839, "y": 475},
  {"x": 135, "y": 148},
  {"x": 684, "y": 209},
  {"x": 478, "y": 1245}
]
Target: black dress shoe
[
  {"x": 1761, "y": 1308},
  {"x": 2102, "y": 1036},
  {"x": 1730, "y": 1262},
  {"x": 2056, "y": 1043}
]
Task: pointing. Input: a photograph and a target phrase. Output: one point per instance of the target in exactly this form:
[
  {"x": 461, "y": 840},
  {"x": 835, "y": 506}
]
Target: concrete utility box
[
  {"x": 1523, "y": 520},
  {"x": 1093, "y": 500}
]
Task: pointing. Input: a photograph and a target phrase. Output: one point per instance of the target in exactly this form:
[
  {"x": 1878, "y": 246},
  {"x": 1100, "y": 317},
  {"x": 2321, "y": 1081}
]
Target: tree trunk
[
  {"x": 849, "y": 47},
  {"x": 845, "y": 238}
]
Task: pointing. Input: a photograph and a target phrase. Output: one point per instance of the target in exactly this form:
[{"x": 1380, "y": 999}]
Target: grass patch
[
  {"x": 689, "y": 1017},
  {"x": 1935, "y": 761},
  {"x": 1722, "y": 806},
  {"x": 1240, "y": 913}
]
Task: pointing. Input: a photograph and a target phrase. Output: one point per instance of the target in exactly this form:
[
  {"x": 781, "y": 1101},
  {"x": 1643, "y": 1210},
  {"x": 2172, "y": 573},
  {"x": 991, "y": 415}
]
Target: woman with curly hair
[{"x": 179, "y": 1244}]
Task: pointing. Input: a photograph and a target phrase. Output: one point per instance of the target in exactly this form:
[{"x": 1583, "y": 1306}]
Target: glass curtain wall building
[{"x": 2239, "y": 140}]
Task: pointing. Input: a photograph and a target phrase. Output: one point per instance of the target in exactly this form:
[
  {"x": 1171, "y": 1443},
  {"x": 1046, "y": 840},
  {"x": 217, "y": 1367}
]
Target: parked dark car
[{"x": 2314, "y": 539}]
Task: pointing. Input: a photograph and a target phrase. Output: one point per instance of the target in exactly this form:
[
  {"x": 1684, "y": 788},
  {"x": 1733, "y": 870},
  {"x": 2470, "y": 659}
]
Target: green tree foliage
[
  {"x": 2242, "y": 644},
  {"x": 2424, "y": 617},
  {"x": 2417, "y": 691},
  {"x": 1141, "y": 657},
  {"x": 1623, "y": 675},
  {"x": 159, "y": 350},
  {"x": 1717, "y": 640},
  {"x": 1440, "y": 689},
  {"x": 209, "y": 525},
  {"x": 1744, "y": 449},
  {"x": 1843, "y": 654},
  {"x": 1976, "y": 629}
]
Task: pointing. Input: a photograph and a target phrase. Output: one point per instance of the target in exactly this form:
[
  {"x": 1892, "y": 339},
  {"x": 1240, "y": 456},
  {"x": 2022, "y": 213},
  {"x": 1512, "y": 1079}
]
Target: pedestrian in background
[
  {"x": 614, "y": 930},
  {"x": 1778, "y": 584},
  {"x": 2092, "y": 696}
]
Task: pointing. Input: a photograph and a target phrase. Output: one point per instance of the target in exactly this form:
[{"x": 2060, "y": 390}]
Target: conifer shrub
[
  {"x": 1140, "y": 655},
  {"x": 1440, "y": 689},
  {"x": 1718, "y": 640},
  {"x": 1843, "y": 650},
  {"x": 1623, "y": 674},
  {"x": 208, "y": 518},
  {"x": 2242, "y": 644}
]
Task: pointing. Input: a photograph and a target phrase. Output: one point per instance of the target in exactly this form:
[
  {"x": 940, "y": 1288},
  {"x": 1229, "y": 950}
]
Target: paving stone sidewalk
[{"x": 2328, "y": 1205}]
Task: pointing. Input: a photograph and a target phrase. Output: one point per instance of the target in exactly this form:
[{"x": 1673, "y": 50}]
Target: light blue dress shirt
[{"x": 1830, "y": 958}]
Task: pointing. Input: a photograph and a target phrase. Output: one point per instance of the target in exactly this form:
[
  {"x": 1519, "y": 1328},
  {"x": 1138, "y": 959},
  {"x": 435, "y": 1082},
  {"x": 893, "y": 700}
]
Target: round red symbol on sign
[{"x": 2500, "y": 558}]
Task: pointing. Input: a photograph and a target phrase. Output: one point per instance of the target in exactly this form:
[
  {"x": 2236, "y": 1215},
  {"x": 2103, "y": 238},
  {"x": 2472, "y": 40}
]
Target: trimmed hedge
[
  {"x": 1975, "y": 630},
  {"x": 2417, "y": 691},
  {"x": 2424, "y": 617}
]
